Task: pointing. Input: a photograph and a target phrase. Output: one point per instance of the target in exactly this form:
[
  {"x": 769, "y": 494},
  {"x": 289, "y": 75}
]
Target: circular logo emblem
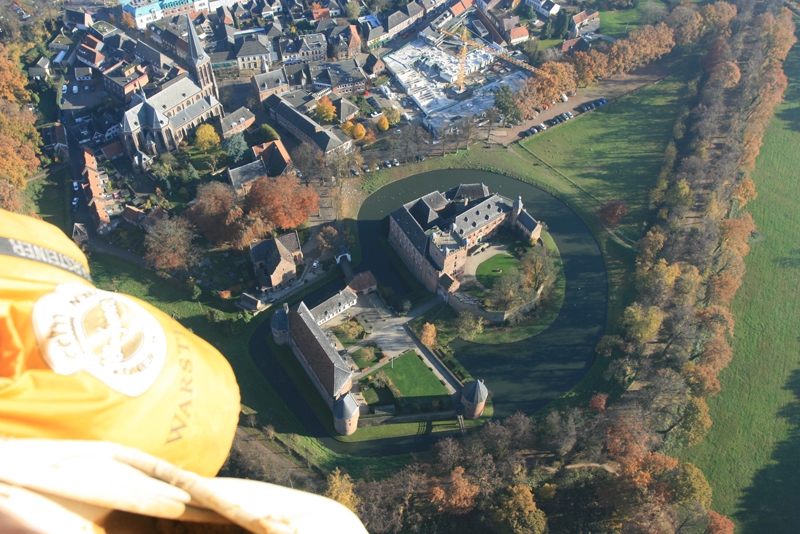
[{"x": 106, "y": 334}]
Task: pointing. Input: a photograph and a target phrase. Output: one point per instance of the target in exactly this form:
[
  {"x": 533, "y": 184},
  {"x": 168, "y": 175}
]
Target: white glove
[{"x": 108, "y": 476}]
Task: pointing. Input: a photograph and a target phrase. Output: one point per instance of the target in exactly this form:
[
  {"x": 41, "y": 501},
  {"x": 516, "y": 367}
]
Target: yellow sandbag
[{"x": 80, "y": 363}]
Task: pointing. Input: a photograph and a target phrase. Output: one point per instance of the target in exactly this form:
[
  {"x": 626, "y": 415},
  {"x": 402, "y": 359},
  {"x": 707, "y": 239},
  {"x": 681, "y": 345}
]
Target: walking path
[{"x": 471, "y": 268}]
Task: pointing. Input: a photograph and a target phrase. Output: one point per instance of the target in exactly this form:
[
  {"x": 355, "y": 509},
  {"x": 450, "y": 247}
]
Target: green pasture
[
  {"x": 752, "y": 455},
  {"x": 50, "y": 197},
  {"x": 621, "y": 22},
  {"x": 615, "y": 152}
]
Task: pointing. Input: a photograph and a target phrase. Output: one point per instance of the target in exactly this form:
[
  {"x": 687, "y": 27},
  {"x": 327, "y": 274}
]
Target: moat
[{"x": 523, "y": 375}]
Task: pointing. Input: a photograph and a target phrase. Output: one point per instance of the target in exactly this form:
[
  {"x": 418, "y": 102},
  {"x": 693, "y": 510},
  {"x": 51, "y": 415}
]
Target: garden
[
  {"x": 350, "y": 332},
  {"x": 409, "y": 383}
]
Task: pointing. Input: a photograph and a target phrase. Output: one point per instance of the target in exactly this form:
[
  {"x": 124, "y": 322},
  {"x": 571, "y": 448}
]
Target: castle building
[
  {"x": 435, "y": 233},
  {"x": 157, "y": 124},
  {"x": 331, "y": 376},
  {"x": 473, "y": 397}
]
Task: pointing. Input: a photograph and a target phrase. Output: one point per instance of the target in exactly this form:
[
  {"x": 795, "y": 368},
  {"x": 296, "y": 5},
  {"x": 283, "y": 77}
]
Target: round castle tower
[
  {"x": 345, "y": 415},
  {"x": 473, "y": 397},
  {"x": 280, "y": 325}
]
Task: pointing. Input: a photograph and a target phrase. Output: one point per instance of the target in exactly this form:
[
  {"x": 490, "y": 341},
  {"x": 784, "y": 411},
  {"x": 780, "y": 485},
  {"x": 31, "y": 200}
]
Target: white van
[
  {"x": 74, "y": 89},
  {"x": 564, "y": 98}
]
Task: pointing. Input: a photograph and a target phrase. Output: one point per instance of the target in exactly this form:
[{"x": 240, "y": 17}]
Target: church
[{"x": 157, "y": 124}]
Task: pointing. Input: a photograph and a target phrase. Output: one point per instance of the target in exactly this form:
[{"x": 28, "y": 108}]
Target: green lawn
[
  {"x": 752, "y": 455},
  {"x": 616, "y": 151},
  {"x": 50, "y": 198},
  {"x": 415, "y": 381},
  {"x": 619, "y": 23},
  {"x": 492, "y": 269}
]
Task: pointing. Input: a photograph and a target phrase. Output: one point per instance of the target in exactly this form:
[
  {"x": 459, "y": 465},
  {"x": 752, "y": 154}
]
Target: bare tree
[{"x": 491, "y": 116}]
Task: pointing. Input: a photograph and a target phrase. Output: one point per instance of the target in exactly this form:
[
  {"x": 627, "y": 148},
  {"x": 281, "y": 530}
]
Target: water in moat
[{"x": 524, "y": 375}]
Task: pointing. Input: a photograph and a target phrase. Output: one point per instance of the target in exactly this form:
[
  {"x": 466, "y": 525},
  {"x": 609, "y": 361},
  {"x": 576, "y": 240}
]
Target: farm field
[
  {"x": 616, "y": 151},
  {"x": 751, "y": 455}
]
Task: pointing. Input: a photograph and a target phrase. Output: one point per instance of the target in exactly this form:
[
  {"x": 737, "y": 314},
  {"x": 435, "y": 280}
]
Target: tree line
[{"x": 609, "y": 466}]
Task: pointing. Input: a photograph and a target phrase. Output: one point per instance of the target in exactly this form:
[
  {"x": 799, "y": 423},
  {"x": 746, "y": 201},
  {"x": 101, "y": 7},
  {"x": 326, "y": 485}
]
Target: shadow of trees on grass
[{"x": 764, "y": 505}]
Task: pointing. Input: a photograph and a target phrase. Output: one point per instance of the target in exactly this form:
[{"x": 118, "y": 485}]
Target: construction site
[{"x": 455, "y": 77}]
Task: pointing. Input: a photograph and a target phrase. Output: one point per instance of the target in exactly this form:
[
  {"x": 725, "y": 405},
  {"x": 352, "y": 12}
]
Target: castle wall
[
  {"x": 419, "y": 266},
  {"x": 310, "y": 372}
]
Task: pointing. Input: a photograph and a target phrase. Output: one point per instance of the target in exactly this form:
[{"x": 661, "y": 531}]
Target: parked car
[
  {"x": 570, "y": 115},
  {"x": 396, "y": 163},
  {"x": 354, "y": 172},
  {"x": 542, "y": 127},
  {"x": 602, "y": 102},
  {"x": 74, "y": 186},
  {"x": 377, "y": 166},
  {"x": 367, "y": 168},
  {"x": 387, "y": 164},
  {"x": 405, "y": 35},
  {"x": 63, "y": 89},
  {"x": 74, "y": 89},
  {"x": 63, "y": 101},
  {"x": 85, "y": 87},
  {"x": 376, "y": 114},
  {"x": 74, "y": 201}
]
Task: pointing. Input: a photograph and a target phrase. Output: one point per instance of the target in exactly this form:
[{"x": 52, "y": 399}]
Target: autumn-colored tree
[
  {"x": 459, "y": 497},
  {"x": 717, "y": 353},
  {"x": 10, "y": 197},
  {"x": 127, "y": 20},
  {"x": 220, "y": 215},
  {"x": 735, "y": 233},
  {"x": 326, "y": 238},
  {"x": 598, "y": 402},
  {"x": 282, "y": 201},
  {"x": 169, "y": 244},
  {"x": 341, "y": 490},
  {"x": 716, "y": 18},
  {"x": 428, "y": 335},
  {"x": 651, "y": 244},
  {"x": 369, "y": 137},
  {"x": 691, "y": 485},
  {"x": 642, "y": 324},
  {"x": 206, "y": 138},
  {"x": 702, "y": 379},
  {"x": 537, "y": 267},
  {"x": 726, "y": 73},
  {"x": 719, "y": 51},
  {"x": 745, "y": 191},
  {"x": 611, "y": 213},
  {"x": 359, "y": 132},
  {"x": 325, "y": 111},
  {"x": 347, "y": 128},
  {"x": 696, "y": 421},
  {"x": 469, "y": 325},
  {"x": 589, "y": 67},
  {"x": 659, "y": 275},
  {"x": 722, "y": 288},
  {"x": 686, "y": 23},
  {"x": 383, "y": 123},
  {"x": 717, "y": 320},
  {"x": 515, "y": 512},
  {"x": 12, "y": 79},
  {"x": 719, "y": 524}
]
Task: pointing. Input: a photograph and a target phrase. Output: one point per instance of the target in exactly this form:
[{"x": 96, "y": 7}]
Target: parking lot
[{"x": 85, "y": 97}]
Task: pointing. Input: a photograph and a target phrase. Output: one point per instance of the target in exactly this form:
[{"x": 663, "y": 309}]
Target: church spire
[{"x": 196, "y": 53}]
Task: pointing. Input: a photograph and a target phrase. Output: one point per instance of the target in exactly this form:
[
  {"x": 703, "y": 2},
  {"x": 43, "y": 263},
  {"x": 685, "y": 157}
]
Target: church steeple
[{"x": 200, "y": 62}]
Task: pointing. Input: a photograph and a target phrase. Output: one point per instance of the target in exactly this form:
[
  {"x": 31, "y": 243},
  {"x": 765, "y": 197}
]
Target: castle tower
[
  {"x": 345, "y": 415},
  {"x": 280, "y": 325},
  {"x": 473, "y": 397},
  {"x": 516, "y": 209},
  {"x": 200, "y": 63}
]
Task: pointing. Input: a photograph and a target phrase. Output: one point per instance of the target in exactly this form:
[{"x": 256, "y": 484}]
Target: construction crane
[{"x": 462, "y": 55}]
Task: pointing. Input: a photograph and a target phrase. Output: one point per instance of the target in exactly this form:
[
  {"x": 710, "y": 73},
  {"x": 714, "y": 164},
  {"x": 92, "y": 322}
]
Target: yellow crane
[{"x": 462, "y": 55}]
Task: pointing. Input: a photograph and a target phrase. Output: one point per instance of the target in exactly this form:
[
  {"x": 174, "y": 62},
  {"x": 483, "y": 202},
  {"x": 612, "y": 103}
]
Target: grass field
[
  {"x": 619, "y": 23},
  {"x": 616, "y": 151},
  {"x": 752, "y": 455},
  {"x": 490, "y": 270},
  {"x": 415, "y": 381},
  {"x": 50, "y": 197}
]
